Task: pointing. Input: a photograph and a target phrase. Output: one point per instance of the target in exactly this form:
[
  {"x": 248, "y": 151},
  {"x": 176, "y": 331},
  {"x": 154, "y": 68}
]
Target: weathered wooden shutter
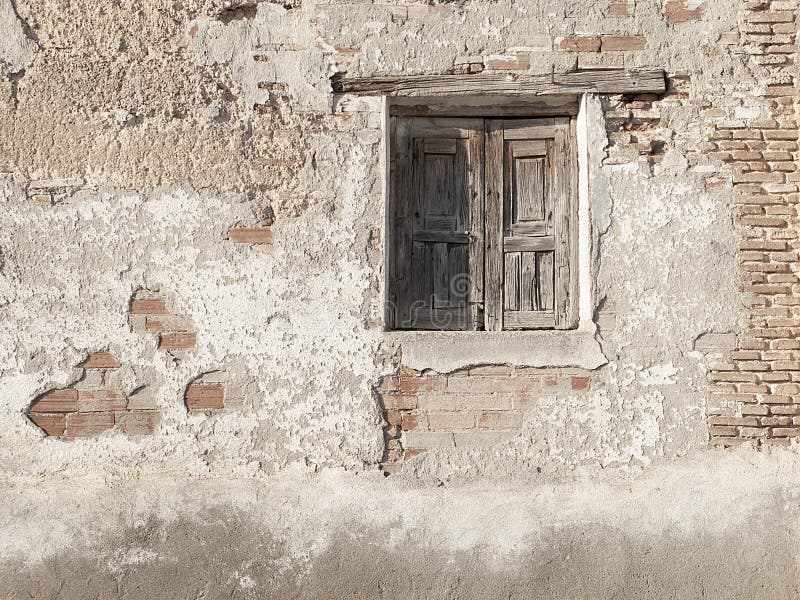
[
  {"x": 437, "y": 224},
  {"x": 530, "y": 281}
]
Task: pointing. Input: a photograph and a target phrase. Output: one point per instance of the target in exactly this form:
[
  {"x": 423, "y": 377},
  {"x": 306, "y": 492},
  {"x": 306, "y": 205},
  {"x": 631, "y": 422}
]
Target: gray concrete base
[{"x": 718, "y": 524}]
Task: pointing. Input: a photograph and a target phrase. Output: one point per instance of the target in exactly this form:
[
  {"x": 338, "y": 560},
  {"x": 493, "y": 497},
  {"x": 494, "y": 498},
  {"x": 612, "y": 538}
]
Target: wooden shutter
[
  {"x": 530, "y": 282},
  {"x": 436, "y": 278}
]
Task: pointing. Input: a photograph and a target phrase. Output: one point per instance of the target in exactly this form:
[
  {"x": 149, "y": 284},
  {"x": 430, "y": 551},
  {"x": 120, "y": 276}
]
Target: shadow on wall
[{"x": 225, "y": 556}]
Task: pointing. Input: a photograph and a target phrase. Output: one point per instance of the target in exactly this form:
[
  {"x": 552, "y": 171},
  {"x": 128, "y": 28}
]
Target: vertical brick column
[{"x": 755, "y": 389}]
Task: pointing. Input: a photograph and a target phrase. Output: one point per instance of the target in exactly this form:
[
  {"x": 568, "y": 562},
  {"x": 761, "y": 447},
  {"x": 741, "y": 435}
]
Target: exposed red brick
[
  {"x": 500, "y": 420},
  {"x": 511, "y": 62},
  {"x": 52, "y": 424},
  {"x": 622, "y": 43},
  {"x": 138, "y": 422},
  {"x": 56, "y": 401},
  {"x": 410, "y": 420},
  {"x": 162, "y": 323},
  {"x": 420, "y": 384},
  {"x": 100, "y": 360},
  {"x": 399, "y": 401},
  {"x": 178, "y": 341},
  {"x": 250, "y": 235},
  {"x": 579, "y": 383},
  {"x": 445, "y": 421},
  {"x": 678, "y": 11},
  {"x": 620, "y": 8},
  {"x": 580, "y": 43},
  {"x": 200, "y": 396},
  {"x": 88, "y": 424},
  {"x": 100, "y": 401},
  {"x": 148, "y": 306}
]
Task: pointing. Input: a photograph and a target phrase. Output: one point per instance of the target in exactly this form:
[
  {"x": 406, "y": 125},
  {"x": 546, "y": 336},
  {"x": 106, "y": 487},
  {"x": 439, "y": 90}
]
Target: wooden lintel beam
[{"x": 606, "y": 81}]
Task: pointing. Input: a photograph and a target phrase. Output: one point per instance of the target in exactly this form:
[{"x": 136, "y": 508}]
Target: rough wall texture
[{"x": 181, "y": 191}]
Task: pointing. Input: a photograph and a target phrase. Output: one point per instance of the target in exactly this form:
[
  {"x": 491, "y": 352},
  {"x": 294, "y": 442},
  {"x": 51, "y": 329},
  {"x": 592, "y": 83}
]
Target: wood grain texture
[{"x": 611, "y": 81}]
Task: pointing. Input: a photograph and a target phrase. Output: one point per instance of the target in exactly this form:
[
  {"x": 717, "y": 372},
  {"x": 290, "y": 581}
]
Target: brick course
[
  {"x": 753, "y": 391},
  {"x": 479, "y": 407},
  {"x": 80, "y": 411}
]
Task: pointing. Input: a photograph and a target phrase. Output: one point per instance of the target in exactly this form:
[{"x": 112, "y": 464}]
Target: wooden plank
[
  {"x": 529, "y": 320},
  {"x": 511, "y": 280},
  {"x": 529, "y": 244},
  {"x": 443, "y": 319},
  {"x": 529, "y": 192},
  {"x": 561, "y": 191},
  {"x": 545, "y": 280},
  {"x": 459, "y": 286},
  {"x": 528, "y": 148},
  {"x": 531, "y": 129},
  {"x": 573, "y": 315},
  {"x": 493, "y": 197},
  {"x": 528, "y": 286},
  {"x": 611, "y": 81},
  {"x": 443, "y": 127},
  {"x": 441, "y": 277},
  {"x": 400, "y": 284},
  {"x": 480, "y": 106},
  {"x": 440, "y": 146},
  {"x": 475, "y": 168},
  {"x": 529, "y": 228}
]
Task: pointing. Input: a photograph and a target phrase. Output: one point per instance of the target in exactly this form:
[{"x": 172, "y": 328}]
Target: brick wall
[
  {"x": 755, "y": 387},
  {"x": 474, "y": 408},
  {"x": 95, "y": 404}
]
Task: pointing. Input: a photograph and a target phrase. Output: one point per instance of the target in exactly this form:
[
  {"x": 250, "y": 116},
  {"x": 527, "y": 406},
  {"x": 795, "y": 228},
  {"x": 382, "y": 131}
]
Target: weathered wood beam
[{"x": 607, "y": 81}]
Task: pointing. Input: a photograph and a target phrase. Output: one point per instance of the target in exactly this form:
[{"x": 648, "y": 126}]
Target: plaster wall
[{"x": 135, "y": 135}]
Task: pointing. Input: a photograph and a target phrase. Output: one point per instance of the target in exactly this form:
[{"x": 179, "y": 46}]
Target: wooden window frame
[{"x": 498, "y": 116}]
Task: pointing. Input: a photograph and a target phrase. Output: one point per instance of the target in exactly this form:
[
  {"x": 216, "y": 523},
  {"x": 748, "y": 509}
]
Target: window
[{"x": 482, "y": 224}]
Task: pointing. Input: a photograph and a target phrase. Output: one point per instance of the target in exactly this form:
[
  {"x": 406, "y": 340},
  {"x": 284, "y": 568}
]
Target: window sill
[{"x": 446, "y": 351}]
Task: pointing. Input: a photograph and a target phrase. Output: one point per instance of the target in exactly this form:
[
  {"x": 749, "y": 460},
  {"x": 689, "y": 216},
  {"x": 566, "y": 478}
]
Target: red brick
[
  {"x": 100, "y": 360},
  {"x": 786, "y": 431},
  {"x": 422, "y": 384},
  {"x": 622, "y": 43},
  {"x": 148, "y": 306},
  {"x": 200, "y": 396},
  {"x": 51, "y": 424},
  {"x": 250, "y": 235},
  {"x": 410, "y": 420},
  {"x": 511, "y": 62},
  {"x": 392, "y": 417},
  {"x": 734, "y": 421},
  {"x": 178, "y": 341},
  {"x": 138, "y": 422},
  {"x": 89, "y": 424},
  {"x": 439, "y": 421},
  {"x": 100, "y": 401},
  {"x": 500, "y": 420},
  {"x": 619, "y": 8},
  {"x": 580, "y": 383},
  {"x": 678, "y": 11},
  {"x": 399, "y": 401},
  {"x": 56, "y": 401},
  {"x": 488, "y": 385},
  {"x": 581, "y": 43},
  {"x": 167, "y": 323}
]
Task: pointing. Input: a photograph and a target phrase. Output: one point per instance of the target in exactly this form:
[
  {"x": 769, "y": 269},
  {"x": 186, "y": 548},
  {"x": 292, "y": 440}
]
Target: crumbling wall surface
[
  {"x": 711, "y": 525},
  {"x": 191, "y": 296}
]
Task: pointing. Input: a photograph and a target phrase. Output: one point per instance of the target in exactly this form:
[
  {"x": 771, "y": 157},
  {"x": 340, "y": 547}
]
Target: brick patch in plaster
[
  {"x": 94, "y": 404},
  {"x": 755, "y": 383},
  {"x": 149, "y": 314},
  {"x": 479, "y": 407},
  {"x": 213, "y": 391}
]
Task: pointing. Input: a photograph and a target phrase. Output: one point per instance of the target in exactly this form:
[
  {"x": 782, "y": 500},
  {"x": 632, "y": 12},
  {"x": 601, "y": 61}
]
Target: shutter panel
[
  {"x": 529, "y": 279},
  {"x": 438, "y": 226}
]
